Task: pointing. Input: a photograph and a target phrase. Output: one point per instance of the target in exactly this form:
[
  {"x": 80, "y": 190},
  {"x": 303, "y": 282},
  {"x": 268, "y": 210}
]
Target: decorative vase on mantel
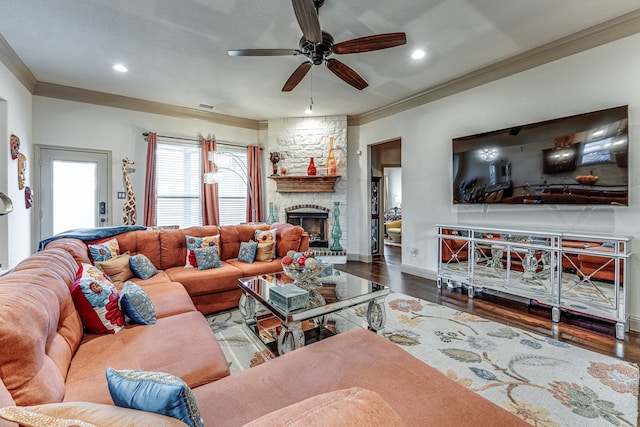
[
  {"x": 331, "y": 160},
  {"x": 271, "y": 218},
  {"x": 336, "y": 231},
  {"x": 311, "y": 170}
]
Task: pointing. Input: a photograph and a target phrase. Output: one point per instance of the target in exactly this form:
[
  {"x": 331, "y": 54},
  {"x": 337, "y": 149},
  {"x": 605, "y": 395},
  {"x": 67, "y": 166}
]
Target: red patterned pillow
[{"x": 96, "y": 300}]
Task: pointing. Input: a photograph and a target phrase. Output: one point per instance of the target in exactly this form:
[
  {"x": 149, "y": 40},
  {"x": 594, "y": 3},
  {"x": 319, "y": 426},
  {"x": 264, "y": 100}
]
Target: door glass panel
[{"x": 70, "y": 193}]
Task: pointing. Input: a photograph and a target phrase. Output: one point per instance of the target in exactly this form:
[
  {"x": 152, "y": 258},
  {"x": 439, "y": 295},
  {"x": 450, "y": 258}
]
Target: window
[
  {"x": 178, "y": 178},
  {"x": 232, "y": 187}
]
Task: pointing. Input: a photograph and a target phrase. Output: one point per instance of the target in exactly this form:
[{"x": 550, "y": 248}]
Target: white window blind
[
  {"x": 178, "y": 179},
  {"x": 232, "y": 188}
]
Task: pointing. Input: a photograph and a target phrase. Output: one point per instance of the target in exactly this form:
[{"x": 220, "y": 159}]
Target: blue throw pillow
[
  {"x": 142, "y": 267},
  {"x": 248, "y": 251},
  {"x": 136, "y": 304},
  {"x": 156, "y": 392},
  {"x": 207, "y": 258}
]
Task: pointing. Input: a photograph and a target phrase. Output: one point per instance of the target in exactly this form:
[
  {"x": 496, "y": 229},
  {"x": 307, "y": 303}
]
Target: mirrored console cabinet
[{"x": 579, "y": 273}]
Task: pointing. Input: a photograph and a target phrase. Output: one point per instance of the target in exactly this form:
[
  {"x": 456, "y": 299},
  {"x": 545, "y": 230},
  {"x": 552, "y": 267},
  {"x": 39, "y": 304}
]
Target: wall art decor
[
  {"x": 28, "y": 197},
  {"x": 14, "y": 145},
  {"x": 22, "y": 168}
]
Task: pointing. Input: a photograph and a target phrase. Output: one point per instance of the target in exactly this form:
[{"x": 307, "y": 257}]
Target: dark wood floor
[{"x": 578, "y": 330}]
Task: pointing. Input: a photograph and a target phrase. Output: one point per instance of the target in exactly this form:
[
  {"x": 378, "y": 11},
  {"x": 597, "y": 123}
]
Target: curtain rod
[{"x": 227, "y": 143}]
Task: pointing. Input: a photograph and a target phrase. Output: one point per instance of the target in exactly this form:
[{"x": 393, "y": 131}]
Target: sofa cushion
[
  {"x": 232, "y": 235},
  {"x": 256, "y": 268},
  {"x": 169, "y": 298},
  {"x": 288, "y": 238},
  {"x": 160, "y": 347},
  {"x": 247, "y": 252},
  {"x": 207, "y": 258},
  {"x": 104, "y": 251},
  {"x": 142, "y": 267},
  {"x": 202, "y": 282},
  {"x": 117, "y": 268},
  {"x": 76, "y": 247},
  {"x": 137, "y": 305},
  {"x": 419, "y": 393},
  {"x": 193, "y": 243},
  {"x": 348, "y": 407},
  {"x": 156, "y": 392},
  {"x": 141, "y": 242},
  {"x": 173, "y": 245},
  {"x": 96, "y": 299},
  {"x": 74, "y": 413}
]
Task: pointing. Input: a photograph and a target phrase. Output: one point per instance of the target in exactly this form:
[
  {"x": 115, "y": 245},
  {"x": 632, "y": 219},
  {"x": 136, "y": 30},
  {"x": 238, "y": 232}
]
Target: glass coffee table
[{"x": 286, "y": 330}]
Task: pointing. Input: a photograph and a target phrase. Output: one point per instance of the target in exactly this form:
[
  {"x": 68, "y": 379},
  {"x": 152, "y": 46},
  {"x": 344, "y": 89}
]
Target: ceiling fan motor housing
[{"x": 317, "y": 52}]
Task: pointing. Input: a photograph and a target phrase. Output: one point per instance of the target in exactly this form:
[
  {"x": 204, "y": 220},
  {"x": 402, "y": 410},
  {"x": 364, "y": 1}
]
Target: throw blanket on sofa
[{"x": 88, "y": 234}]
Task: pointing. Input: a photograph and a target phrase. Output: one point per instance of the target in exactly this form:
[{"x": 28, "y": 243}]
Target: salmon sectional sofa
[{"x": 53, "y": 370}]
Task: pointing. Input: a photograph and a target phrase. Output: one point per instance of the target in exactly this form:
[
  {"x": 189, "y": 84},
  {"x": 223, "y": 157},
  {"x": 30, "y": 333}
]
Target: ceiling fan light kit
[{"x": 317, "y": 45}]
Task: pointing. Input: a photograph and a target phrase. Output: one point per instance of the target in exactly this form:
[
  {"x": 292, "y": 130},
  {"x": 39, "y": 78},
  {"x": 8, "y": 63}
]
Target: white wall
[
  {"x": 603, "y": 77},
  {"x": 15, "y": 118},
  {"x": 74, "y": 124}
]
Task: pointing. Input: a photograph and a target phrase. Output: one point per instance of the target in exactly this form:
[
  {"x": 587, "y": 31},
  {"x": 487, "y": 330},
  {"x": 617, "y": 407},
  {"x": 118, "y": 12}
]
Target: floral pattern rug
[{"x": 543, "y": 381}]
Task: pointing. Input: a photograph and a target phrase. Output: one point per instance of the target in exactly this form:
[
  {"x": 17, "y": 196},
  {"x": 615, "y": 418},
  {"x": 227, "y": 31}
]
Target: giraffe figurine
[{"x": 129, "y": 208}]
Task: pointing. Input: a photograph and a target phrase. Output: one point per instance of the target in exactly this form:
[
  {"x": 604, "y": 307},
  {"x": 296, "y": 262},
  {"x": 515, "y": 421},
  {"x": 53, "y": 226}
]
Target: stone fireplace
[{"x": 315, "y": 221}]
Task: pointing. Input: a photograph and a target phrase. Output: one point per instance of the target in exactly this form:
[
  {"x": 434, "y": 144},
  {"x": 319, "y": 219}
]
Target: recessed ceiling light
[
  {"x": 120, "y": 68},
  {"x": 418, "y": 54}
]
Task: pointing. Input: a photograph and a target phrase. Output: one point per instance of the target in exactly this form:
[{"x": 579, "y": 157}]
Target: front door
[{"x": 73, "y": 189}]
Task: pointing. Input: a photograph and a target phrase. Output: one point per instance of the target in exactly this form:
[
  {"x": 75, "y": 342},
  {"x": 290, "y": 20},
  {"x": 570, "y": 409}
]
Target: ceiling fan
[{"x": 318, "y": 45}]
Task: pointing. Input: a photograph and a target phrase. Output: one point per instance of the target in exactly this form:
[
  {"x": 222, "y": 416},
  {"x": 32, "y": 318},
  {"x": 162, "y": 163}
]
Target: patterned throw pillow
[
  {"x": 96, "y": 300},
  {"x": 207, "y": 258},
  {"x": 137, "y": 305},
  {"x": 247, "y": 252},
  {"x": 199, "y": 242},
  {"x": 266, "y": 244},
  {"x": 104, "y": 251},
  {"x": 142, "y": 267},
  {"x": 117, "y": 268},
  {"x": 157, "y": 392}
]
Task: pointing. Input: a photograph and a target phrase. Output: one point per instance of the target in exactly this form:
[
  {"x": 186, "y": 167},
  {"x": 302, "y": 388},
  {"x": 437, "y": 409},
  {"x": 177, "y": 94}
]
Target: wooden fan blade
[
  {"x": 369, "y": 43},
  {"x": 297, "y": 75},
  {"x": 262, "y": 52},
  {"x": 307, "y": 17},
  {"x": 347, "y": 74}
]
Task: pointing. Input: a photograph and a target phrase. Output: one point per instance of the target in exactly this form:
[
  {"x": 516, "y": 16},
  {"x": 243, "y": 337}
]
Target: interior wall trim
[
  {"x": 597, "y": 35},
  {"x": 19, "y": 69},
  {"x": 69, "y": 93}
]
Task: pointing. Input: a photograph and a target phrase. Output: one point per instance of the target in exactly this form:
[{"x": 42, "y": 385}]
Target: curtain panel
[
  {"x": 255, "y": 177},
  {"x": 210, "y": 208},
  {"x": 151, "y": 184}
]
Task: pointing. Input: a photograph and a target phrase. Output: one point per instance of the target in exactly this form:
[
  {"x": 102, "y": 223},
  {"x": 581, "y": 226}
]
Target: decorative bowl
[
  {"x": 301, "y": 274},
  {"x": 587, "y": 179}
]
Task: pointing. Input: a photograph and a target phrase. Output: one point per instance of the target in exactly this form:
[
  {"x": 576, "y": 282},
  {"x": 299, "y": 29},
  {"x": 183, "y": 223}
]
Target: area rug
[{"x": 543, "y": 381}]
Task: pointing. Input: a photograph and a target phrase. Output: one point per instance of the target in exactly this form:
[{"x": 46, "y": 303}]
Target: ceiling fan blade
[
  {"x": 369, "y": 43},
  {"x": 262, "y": 52},
  {"x": 347, "y": 74},
  {"x": 297, "y": 75},
  {"x": 307, "y": 17}
]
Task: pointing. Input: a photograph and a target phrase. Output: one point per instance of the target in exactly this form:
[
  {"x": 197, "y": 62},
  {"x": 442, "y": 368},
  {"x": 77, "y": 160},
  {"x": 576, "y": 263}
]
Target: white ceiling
[{"x": 176, "y": 50}]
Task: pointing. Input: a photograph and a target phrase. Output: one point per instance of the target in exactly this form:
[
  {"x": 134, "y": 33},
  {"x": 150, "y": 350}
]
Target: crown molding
[
  {"x": 19, "y": 69},
  {"x": 52, "y": 90},
  {"x": 606, "y": 32}
]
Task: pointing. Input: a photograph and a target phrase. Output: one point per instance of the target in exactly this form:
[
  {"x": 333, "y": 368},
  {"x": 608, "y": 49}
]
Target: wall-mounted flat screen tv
[{"x": 580, "y": 159}]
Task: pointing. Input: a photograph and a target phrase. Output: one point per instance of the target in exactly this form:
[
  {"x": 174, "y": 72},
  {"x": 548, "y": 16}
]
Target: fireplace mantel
[{"x": 305, "y": 184}]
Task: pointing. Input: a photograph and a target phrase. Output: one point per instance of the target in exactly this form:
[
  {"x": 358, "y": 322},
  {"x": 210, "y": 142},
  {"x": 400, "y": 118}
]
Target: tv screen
[{"x": 579, "y": 159}]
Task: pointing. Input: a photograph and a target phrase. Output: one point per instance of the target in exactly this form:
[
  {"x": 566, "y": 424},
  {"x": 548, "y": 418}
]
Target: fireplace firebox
[{"x": 314, "y": 220}]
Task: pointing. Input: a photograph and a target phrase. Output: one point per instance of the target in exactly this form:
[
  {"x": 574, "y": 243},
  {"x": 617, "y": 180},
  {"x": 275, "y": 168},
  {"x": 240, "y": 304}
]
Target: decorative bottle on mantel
[
  {"x": 331, "y": 160},
  {"x": 311, "y": 170}
]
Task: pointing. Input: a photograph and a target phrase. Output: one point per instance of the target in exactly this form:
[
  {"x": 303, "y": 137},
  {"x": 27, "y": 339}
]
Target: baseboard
[
  {"x": 634, "y": 323},
  {"x": 421, "y": 272}
]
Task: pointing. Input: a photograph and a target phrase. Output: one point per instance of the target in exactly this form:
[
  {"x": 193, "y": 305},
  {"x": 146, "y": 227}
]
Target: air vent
[{"x": 207, "y": 106}]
